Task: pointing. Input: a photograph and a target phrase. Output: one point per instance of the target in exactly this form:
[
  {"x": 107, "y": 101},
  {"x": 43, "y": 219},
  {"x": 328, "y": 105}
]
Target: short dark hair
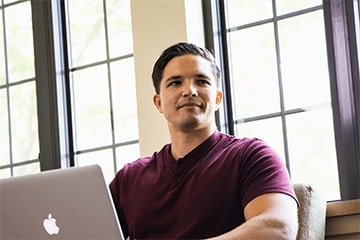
[{"x": 179, "y": 49}]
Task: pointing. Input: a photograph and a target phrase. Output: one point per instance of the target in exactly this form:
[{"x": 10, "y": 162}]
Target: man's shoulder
[
  {"x": 225, "y": 138},
  {"x": 147, "y": 161}
]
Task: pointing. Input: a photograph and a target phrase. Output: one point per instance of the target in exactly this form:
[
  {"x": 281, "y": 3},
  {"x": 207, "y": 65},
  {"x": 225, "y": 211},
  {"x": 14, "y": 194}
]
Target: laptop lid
[{"x": 72, "y": 203}]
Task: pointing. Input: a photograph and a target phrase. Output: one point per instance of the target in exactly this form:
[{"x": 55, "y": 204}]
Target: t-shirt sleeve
[
  {"x": 263, "y": 172},
  {"x": 114, "y": 187}
]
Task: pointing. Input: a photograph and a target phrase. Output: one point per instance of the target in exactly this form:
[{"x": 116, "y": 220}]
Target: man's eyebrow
[
  {"x": 171, "y": 78},
  {"x": 200, "y": 75},
  {"x": 177, "y": 77}
]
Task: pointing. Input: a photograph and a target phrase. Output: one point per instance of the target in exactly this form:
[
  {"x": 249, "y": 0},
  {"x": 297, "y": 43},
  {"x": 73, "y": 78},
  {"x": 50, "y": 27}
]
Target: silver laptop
[{"x": 72, "y": 203}]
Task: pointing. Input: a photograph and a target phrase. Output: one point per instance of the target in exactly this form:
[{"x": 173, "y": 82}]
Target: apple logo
[{"x": 50, "y": 225}]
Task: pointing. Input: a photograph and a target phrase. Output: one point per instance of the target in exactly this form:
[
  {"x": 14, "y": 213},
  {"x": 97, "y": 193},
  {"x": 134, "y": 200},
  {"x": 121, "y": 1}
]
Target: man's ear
[
  {"x": 157, "y": 102},
  {"x": 218, "y": 99}
]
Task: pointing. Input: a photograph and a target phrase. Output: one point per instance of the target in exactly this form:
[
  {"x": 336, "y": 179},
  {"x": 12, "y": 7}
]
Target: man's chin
[{"x": 190, "y": 125}]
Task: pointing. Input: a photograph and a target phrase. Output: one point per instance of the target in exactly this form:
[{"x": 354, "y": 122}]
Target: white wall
[{"x": 157, "y": 24}]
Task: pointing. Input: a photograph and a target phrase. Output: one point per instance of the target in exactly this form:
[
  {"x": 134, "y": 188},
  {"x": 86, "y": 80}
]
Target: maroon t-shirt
[{"x": 201, "y": 195}]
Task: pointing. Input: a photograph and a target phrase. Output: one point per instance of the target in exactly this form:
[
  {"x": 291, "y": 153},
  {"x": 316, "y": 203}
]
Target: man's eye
[
  {"x": 203, "y": 82},
  {"x": 174, "y": 83}
]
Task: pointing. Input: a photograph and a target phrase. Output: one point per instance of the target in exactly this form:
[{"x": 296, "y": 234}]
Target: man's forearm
[{"x": 262, "y": 227}]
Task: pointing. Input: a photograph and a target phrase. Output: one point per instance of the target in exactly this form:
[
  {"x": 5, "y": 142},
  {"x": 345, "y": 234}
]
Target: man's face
[{"x": 188, "y": 93}]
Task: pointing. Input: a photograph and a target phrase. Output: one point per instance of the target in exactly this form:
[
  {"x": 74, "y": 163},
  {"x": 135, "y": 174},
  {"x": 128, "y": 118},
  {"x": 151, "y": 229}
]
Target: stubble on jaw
[{"x": 189, "y": 125}]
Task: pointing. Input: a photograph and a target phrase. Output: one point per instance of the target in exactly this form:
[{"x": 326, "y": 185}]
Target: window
[
  {"x": 102, "y": 83},
  {"x": 67, "y": 86},
  {"x": 19, "y": 143},
  {"x": 279, "y": 86}
]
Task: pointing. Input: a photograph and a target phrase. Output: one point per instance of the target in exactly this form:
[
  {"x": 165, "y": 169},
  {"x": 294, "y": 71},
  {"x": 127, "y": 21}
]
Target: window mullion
[
  {"x": 341, "y": 49},
  {"x": 50, "y": 85},
  {"x": 216, "y": 40},
  {"x": 281, "y": 87}
]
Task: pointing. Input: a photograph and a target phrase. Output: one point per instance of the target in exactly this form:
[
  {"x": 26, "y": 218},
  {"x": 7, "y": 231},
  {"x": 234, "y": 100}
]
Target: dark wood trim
[
  {"x": 342, "y": 53},
  {"x": 50, "y": 86}
]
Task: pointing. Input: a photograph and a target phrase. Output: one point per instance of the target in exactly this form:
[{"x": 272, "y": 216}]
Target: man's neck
[{"x": 183, "y": 142}]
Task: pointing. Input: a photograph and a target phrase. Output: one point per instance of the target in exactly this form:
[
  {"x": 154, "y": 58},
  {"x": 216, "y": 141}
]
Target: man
[{"x": 204, "y": 184}]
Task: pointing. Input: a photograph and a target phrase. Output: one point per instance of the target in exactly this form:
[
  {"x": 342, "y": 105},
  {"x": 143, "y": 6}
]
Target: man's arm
[{"x": 269, "y": 216}]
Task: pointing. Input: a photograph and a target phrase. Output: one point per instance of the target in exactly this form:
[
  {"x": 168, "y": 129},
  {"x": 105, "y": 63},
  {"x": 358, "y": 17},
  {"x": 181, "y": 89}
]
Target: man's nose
[{"x": 190, "y": 89}]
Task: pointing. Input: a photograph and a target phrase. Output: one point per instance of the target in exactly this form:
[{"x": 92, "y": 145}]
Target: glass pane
[
  {"x": 92, "y": 107},
  {"x": 87, "y": 33},
  {"x": 119, "y": 27},
  {"x": 5, "y": 173},
  {"x": 10, "y": 1},
  {"x": 269, "y": 130},
  {"x": 20, "y": 47},
  {"x": 124, "y": 100},
  {"x": 27, "y": 169},
  {"x": 312, "y": 150},
  {"x": 304, "y": 60},
  {"x": 286, "y": 6},
  {"x": 254, "y": 71},
  {"x": 24, "y": 124},
  {"x": 246, "y": 11},
  {"x": 2, "y": 52},
  {"x": 104, "y": 158},
  {"x": 127, "y": 154},
  {"x": 4, "y": 130}
]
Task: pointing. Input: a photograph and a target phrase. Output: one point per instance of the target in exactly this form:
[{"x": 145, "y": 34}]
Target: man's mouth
[{"x": 189, "y": 104}]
